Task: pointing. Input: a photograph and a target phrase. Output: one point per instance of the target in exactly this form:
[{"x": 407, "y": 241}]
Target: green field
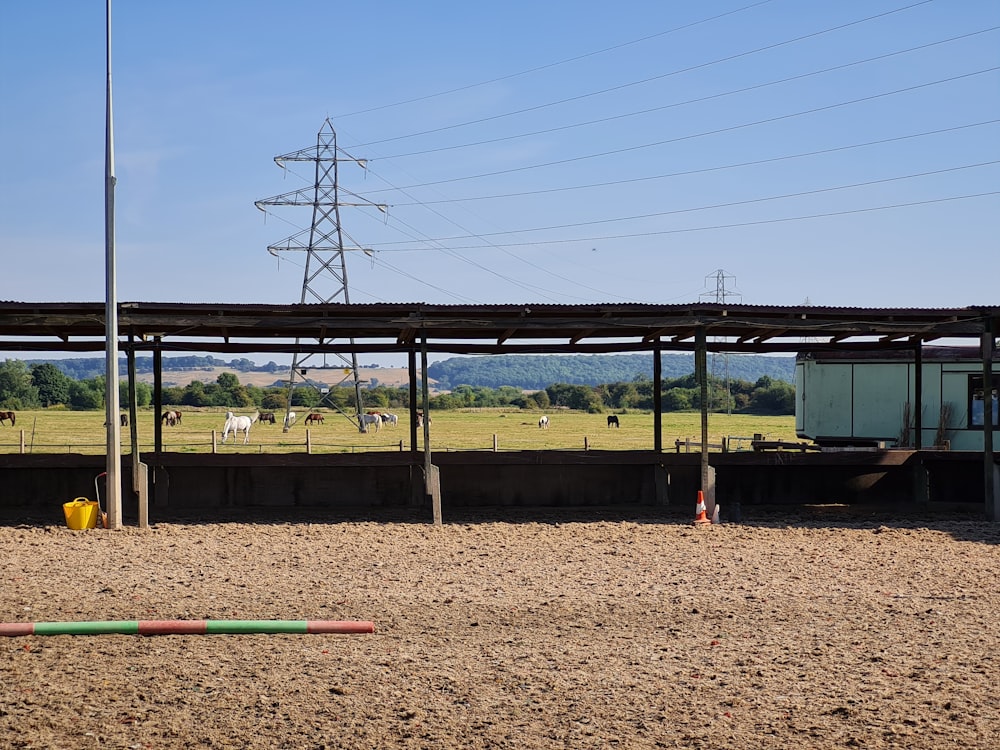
[{"x": 61, "y": 431}]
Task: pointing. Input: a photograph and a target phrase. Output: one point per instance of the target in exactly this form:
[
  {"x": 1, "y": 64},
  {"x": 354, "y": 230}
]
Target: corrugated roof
[{"x": 388, "y": 327}]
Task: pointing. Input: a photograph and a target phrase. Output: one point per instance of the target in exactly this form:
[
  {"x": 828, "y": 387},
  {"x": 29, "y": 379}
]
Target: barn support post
[
  {"x": 157, "y": 396},
  {"x": 411, "y": 356},
  {"x": 989, "y": 463},
  {"x": 661, "y": 485},
  {"x": 657, "y": 398},
  {"x": 701, "y": 372},
  {"x": 918, "y": 394},
  {"x": 140, "y": 472},
  {"x": 432, "y": 477}
]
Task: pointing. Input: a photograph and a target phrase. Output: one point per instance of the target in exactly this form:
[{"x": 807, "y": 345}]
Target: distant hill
[
  {"x": 529, "y": 372},
  {"x": 180, "y": 371},
  {"x": 84, "y": 368},
  {"x": 540, "y": 371}
]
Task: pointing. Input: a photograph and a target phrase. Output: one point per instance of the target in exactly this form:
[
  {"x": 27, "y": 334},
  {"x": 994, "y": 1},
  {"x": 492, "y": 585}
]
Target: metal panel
[
  {"x": 826, "y": 399},
  {"x": 880, "y": 395}
]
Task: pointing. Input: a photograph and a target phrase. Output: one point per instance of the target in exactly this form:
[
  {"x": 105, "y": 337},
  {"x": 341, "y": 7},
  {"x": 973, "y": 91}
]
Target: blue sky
[{"x": 529, "y": 152}]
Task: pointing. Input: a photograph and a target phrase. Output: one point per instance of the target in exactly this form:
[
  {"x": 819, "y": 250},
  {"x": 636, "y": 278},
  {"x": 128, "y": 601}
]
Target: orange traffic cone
[{"x": 701, "y": 512}]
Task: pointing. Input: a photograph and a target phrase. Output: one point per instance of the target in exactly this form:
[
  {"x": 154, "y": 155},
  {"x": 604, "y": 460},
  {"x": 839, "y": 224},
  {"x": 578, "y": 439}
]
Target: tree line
[
  {"x": 44, "y": 385},
  {"x": 84, "y": 368},
  {"x": 536, "y": 372}
]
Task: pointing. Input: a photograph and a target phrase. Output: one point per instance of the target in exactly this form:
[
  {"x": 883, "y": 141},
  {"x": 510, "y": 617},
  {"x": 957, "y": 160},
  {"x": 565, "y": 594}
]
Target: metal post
[
  {"x": 157, "y": 397},
  {"x": 412, "y": 365},
  {"x": 657, "y": 399},
  {"x": 113, "y": 442},
  {"x": 431, "y": 478},
  {"x": 989, "y": 471},
  {"x": 701, "y": 368},
  {"x": 918, "y": 393},
  {"x": 140, "y": 472}
]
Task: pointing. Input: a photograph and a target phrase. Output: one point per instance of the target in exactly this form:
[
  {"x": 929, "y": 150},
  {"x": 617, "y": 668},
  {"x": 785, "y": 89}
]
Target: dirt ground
[{"x": 795, "y": 630}]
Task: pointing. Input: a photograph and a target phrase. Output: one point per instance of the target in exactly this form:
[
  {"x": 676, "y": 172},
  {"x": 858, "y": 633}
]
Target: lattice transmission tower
[
  {"x": 722, "y": 295},
  {"x": 324, "y": 278}
]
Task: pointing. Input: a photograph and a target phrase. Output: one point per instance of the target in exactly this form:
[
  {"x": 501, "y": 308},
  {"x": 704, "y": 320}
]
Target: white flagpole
[{"x": 113, "y": 501}]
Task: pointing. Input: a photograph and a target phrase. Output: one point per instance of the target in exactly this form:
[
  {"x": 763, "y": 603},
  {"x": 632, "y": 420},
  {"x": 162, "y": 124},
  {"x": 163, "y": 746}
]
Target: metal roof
[{"x": 481, "y": 329}]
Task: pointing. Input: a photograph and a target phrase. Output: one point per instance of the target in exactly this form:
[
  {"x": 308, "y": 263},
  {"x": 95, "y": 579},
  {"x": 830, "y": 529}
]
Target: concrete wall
[{"x": 35, "y": 487}]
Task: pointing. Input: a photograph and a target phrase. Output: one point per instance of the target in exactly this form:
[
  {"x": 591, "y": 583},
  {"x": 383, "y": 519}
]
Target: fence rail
[{"x": 309, "y": 445}]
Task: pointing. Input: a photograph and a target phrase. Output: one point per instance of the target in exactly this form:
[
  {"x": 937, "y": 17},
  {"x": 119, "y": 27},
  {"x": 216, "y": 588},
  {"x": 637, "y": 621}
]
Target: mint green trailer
[{"x": 869, "y": 398}]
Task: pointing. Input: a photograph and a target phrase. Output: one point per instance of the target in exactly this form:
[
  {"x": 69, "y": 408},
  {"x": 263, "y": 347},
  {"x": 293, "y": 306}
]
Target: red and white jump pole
[{"x": 185, "y": 627}]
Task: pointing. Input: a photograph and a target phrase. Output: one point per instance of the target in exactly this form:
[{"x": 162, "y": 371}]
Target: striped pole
[{"x": 185, "y": 627}]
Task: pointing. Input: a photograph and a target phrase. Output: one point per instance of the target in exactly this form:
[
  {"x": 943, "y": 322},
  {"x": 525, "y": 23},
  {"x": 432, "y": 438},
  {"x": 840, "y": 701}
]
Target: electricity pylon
[
  {"x": 723, "y": 295},
  {"x": 325, "y": 276}
]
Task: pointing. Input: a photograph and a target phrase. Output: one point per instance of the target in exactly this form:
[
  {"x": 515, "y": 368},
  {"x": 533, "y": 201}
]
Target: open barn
[
  {"x": 563, "y": 599},
  {"x": 427, "y": 484}
]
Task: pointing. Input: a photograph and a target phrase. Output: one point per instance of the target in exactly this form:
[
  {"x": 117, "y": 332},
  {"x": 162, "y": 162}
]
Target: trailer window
[{"x": 976, "y": 412}]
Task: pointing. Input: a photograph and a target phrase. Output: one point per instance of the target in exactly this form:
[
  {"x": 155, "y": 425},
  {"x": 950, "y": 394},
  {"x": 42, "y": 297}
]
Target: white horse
[
  {"x": 289, "y": 420},
  {"x": 371, "y": 419},
  {"x": 236, "y": 424},
  {"x": 389, "y": 419},
  {"x": 543, "y": 422}
]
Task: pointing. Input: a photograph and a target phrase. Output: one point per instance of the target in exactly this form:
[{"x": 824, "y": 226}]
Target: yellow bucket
[{"x": 81, "y": 513}]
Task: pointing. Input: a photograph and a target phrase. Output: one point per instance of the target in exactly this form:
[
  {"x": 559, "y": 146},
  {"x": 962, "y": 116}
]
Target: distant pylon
[
  {"x": 324, "y": 279},
  {"x": 721, "y": 295}
]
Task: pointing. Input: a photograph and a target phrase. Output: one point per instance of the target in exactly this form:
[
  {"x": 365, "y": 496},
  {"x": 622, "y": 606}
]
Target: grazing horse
[
  {"x": 543, "y": 422},
  {"x": 236, "y": 424},
  {"x": 370, "y": 419},
  {"x": 613, "y": 420},
  {"x": 5, "y": 415},
  {"x": 171, "y": 418},
  {"x": 289, "y": 420},
  {"x": 314, "y": 418},
  {"x": 267, "y": 416},
  {"x": 389, "y": 419}
]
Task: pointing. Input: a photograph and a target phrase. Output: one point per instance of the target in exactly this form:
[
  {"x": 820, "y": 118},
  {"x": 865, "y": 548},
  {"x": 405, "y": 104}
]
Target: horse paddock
[{"x": 821, "y": 627}]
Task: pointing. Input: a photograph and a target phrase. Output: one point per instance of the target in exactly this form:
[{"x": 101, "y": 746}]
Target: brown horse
[
  {"x": 267, "y": 416},
  {"x": 314, "y": 418},
  {"x": 171, "y": 418},
  {"x": 5, "y": 415}
]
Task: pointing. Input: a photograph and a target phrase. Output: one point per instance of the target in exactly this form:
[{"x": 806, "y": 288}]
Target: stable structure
[
  {"x": 871, "y": 399},
  {"x": 417, "y": 329}
]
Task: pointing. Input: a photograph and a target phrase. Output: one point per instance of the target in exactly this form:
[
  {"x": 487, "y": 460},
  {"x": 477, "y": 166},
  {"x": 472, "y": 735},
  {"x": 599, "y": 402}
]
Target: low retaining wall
[{"x": 34, "y": 486}]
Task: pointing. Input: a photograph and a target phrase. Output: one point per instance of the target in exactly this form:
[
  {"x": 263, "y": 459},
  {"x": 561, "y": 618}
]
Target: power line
[
  {"x": 688, "y": 172},
  {"x": 703, "y": 134},
  {"x": 417, "y": 236},
  {"x": 554, "y": 64},
  {"x": 735, "y": 225},
  {"x": 630, "y": 84},
  {"x": 697, "y": 100},
  {"x": 504, "y": 250},
  {"x": 730, "y": 204}
]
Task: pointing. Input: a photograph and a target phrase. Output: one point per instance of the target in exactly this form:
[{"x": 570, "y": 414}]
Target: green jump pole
[{"x": 185, "y": 627}]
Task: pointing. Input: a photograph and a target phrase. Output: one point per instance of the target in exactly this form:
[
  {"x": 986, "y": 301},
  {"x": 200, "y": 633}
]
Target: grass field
[{"x": 61, "y": 431}]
